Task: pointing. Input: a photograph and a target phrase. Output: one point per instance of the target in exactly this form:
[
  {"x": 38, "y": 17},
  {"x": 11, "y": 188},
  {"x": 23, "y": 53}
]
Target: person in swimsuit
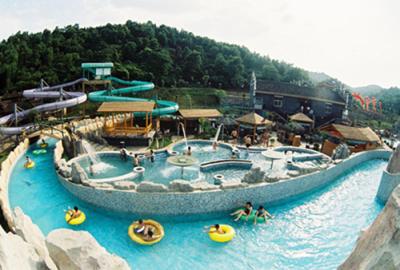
[
  {"x": 91, "y": 170},
  {"x": 214, "y": 146},
  {"x": 261, "y": 212},
  {"x": 151, "y": 156},
  {"x": 136, "y": 161},
  {"x": 234, "y": 135},
  {"x": 142, "y": 229},
  {"x": 74, "y": 213},
  {"x": 247, "y": 141},
  {"x": 248, "y": 208},
  {"x": 28, "y": 161},
  {"x": 214, "y": 229},
  {"x": 189, "y": 151}
]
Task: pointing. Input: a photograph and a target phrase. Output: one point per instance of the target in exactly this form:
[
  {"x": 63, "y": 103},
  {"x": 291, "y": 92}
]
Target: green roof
[{"x": 97, "y": 65}]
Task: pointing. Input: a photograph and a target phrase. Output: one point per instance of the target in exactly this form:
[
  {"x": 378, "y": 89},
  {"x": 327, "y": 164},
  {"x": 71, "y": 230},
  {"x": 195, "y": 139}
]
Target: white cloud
[{"x": 356, "y": 41}]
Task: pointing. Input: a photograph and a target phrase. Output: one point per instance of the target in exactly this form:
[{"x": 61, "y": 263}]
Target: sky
[{"x": 355, "y": 41}]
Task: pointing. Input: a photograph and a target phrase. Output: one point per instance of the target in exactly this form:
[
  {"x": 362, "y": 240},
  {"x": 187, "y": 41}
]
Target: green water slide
[{"x": 163, "y": 107}]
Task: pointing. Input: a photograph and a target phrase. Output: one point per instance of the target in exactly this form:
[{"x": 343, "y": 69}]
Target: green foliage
[{"x": 145, "y": 51}]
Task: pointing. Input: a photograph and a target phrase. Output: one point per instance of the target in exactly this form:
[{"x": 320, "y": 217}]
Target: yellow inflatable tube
[
  {"x": 29, "y": 165},
  {"x": 75, "y": 221},
  {"x": 227, "y": 236},
  {"x": 154, "y": 226}
]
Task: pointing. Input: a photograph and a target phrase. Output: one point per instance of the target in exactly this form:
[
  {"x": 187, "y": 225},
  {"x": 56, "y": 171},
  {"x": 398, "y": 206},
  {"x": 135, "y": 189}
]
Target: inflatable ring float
[
  {"x": 29, "y": 165},
  {"x": 75, "y": 221},
  {"x": 44, "y": 145},
  {"x": 251, "y": 216},
  {"x": 229, "y": 233},
  {"x": 155, "y": 227},
  {"x": 39, "y": 151}
]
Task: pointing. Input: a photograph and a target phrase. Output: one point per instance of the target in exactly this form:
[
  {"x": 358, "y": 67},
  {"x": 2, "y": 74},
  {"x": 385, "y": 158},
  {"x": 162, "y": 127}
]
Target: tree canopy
[{"x": 142, "y": 51}]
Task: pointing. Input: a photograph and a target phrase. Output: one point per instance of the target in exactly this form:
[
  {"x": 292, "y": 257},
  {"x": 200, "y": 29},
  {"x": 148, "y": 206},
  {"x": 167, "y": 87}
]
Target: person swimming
[
  {"x": 123, "y": 154},
  {"x": 136, "y": 161},
  {"x": 261, "y": 212},
  {"x": 152, "y": 156},
  {"x": 91, "y": 170},
  {"x": 248, "y": 208},
  {"x": 189, "y": 151},
  {"x": 28, "y": 161},
  {"x": 214, "y": 146},
  {"x": 216, "y": 229},
  {"x": 74, "y": 213}
]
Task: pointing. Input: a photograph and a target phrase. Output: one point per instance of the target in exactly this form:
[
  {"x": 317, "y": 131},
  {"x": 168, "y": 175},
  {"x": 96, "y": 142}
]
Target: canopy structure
[
  {"x": 301, "y": 118},
  {"x": 191, "y": 118},
  {"x": 191, "y": 114},
  {"x": 254, "y": 120},
  {"x": 358, "y": 134},
  {"x": 126, "y": 125}
]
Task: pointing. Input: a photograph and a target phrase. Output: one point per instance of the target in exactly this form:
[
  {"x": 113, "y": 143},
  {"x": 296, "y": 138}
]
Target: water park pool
[
  {"x": 316, "y": 231},
  {"x": 160, "y": 171}
]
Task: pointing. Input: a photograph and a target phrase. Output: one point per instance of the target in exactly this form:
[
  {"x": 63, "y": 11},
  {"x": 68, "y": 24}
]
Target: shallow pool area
[{"x": 316, "y": 231}]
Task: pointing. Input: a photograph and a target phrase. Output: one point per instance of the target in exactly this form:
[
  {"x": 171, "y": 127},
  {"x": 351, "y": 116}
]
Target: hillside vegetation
[{"x": 161, "y": 54}]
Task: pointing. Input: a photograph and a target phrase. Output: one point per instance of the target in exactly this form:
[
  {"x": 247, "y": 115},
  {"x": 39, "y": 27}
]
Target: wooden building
[
  {"x": 358, "y": 138},
  {"x": 191, "y": 118},
  {"x": 321, "y": 105},
  {"x": 120, "y": 123}
]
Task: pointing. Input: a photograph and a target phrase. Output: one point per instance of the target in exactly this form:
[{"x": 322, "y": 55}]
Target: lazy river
[{"x": 316, "y": 231}]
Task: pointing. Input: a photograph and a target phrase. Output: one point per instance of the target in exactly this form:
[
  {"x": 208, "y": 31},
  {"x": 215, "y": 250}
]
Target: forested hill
[{"x": 161, "y": 54}]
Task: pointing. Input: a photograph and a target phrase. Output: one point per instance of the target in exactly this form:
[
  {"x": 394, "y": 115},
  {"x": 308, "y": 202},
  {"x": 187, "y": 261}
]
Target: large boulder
[
  {"x": 342, "y": 151},
  {"x": 147, "y": 186},
  {"x": 78, "y": 250},
  {"x": 77, "y": 173},
  {"x": 394, "y": 162},
  {"x": 255, "y": 175},
  {"x": 15, "y": 253},
  {"x": 30, "y": 233},
  {"x": 124, "y": 185},
  {"x": 379, "y": 246},
  {"x": 233, "y": 185},
  {"x": 181, "y": 186},
  {"x": 204, "y": 186}
]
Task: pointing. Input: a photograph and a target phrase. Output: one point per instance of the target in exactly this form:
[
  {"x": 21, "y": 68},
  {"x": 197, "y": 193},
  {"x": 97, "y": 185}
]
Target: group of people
[
  {"x": 145, "y": 231},
  {"x": 123, "y": 153},
  {"x": 246, "y": 212},
  {"x": 249, "y": 141}
]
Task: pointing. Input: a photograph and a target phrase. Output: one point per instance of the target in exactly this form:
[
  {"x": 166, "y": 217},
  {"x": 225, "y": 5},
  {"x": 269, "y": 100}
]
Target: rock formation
[
  {"x": 15, "y": 253},
  {"x": 180, "y": 186},
  {"x": 255, "y": 175},
  {"x": 30, "y": 233},
  {"x": 78, "y": 250},
  {"x": 341, "y": 152},
  {"x": 394, "y": 162},
  {"x": 77, "y": 173},
  {"x": 379, "y": 246},
  {"x": 147, "y": 186}
]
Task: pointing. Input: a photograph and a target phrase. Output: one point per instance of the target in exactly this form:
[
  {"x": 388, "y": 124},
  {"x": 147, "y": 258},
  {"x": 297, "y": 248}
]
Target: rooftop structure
[
  {"x": 126, "y": 125},
  {"x": 96, "y": 70},
  {"x": 320, "y": 104}
]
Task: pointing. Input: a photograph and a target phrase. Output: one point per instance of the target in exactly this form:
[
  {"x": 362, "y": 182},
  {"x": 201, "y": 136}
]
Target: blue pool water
[{"x": 315, "y": 232}]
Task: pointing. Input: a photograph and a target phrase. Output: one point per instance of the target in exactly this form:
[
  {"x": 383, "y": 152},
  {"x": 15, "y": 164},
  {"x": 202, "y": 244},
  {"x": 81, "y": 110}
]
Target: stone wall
[
  {"x": 379, "y": 246},
  {"x": 64, "y": 249},
  {"x": 390, "y": 177},
  {"x": 6, "y": 168},
  {"x": 196, "y": 198}
]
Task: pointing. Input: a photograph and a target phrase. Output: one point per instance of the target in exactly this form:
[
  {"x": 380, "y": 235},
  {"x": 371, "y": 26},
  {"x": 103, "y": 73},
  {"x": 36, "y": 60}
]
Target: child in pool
[
  {"x": 261, "y": 212},
  {"x": 248, "y": 208}
]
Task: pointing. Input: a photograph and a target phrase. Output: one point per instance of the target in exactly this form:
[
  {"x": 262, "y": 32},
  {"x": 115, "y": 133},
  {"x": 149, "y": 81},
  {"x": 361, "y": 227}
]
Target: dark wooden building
[{"x": 321, "y": 105}]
